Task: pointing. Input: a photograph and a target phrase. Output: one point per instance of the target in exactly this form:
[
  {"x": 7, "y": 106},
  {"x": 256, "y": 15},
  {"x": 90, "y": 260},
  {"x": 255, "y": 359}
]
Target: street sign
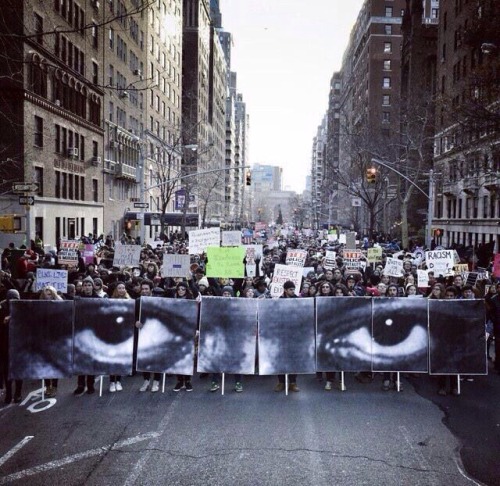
[
  {"x": 27, "y": 200},
  {"x": 141, "y": 205},
  {"x": 25, "y": 187}
]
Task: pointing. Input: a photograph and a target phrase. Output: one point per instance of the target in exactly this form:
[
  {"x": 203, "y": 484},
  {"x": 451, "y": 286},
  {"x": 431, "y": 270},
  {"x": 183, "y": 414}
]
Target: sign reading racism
[
  {"x": 282, "y": 273},
  {"x": 200, "y": 240},
  {"x": 50, "y": 276},
  {"x": 440, "y": 262},
  {"x": 127, "y": 255},
  {"x": 225, "y": 261}
]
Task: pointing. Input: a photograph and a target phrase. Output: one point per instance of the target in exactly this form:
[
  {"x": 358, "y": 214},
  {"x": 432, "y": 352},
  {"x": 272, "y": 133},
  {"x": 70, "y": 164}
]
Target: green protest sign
[{"x": 225, "y": 262}]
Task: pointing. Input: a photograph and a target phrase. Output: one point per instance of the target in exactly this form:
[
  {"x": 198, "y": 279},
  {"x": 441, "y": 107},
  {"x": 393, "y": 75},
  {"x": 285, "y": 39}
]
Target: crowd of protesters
[{"x": 100, "y": 279}]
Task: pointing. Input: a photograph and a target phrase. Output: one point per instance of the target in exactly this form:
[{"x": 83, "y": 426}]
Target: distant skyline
[{"x": 285, "y": 52}]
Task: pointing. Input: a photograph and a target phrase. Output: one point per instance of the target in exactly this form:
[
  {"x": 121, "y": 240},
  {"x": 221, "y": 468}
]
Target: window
[
  {"x": 386, "y": 117},
  {"x": 95, "y": 190},
  {"x": 388, "y": 11},
  {"x": 386, "y": 82},
  {"x": 111, "y": 39},
  {"x": 387, "y": 65},
  {"x": 95, "y": 35},
  {"x": 388, "y": 29},
  {"x": 64, "y": 185},
  {"x": 38, "y": 21},
  {"x": 95, "y": 72},
  {"x": 39, "y": 180},
  {"x": 387, "y": 46},
  {"x": 386, "y": 100},
  {"x": 38, "y": 138}
]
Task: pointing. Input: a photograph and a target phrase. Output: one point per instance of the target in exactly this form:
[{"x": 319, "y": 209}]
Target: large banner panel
[
  {"x": 344, "y": 339},
  {"x": 457, "y": 340},
  {"x": 400, "y": 336},
  {"x": 166, "y": 340},
  {"x": 228, "y": 335},
  {"x": 286, "y": 336},
  {"x": 40, "y": 339},
  {"x": 104, "y": 336}
]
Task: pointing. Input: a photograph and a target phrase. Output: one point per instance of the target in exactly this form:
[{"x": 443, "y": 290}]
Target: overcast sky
[{"x": 285, "y": 52}]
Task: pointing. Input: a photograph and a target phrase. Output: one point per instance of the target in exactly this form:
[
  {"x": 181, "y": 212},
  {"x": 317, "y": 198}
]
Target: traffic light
[
  {"x": 438, "y": 232},
  {"x": 371, "y": 175},
  {"x": 248, "y": 178}
]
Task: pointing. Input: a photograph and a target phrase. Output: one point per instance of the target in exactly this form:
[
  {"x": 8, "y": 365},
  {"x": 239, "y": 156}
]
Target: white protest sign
[
  {"x": 231, "y": 238},
  {"x": 283, "y": 273},
  {"x": 68, "y": 252},
  {"x": 330, "y": 261},
  {"x": 393, "y": 267},
  {"x": 352, "y": 259},
  {"x": 306, "y": 270},
  {"x": 332, "y": 237},
  {"x": 253, "y": 255},
  {"x": 127, "y": 255},
  {"x": 49, "y": 276},
  {"x": 440, "y": 262},
  {"x": 342, "y": 239},
  {"x": 422, "y": 278},
  {"x": 296, "y": 258},
  {"x": 176, "y": 265},
  {"x": 200, "y": 240}
]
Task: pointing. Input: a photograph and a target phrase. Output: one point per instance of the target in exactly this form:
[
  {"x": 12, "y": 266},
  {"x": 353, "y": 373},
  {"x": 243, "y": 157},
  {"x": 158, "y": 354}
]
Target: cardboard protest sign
[
  {"x": 228, "y": 329},
  {"x": 440, "y": 262},
  {"x": 330, "y": 261},
  {"x": 40, "y": 339},
  {"x": 422, "y": 278},
  {"x": 253, "y": 255},
  {"x": 225, "y": 261},
  {"x": 68, "y": 253},
  {"x": 282, "y": 273},
  {"x": 50, "y": 276},
  {"x": 200, "y": 240},
  {"x": 296, "y": 258},
  {"x": 352, "y": 259},
  {"x": 461, "y": 268},
  {"x": 175, "y": 265},
  {"x": 231, "y": 238},
  {"x": 393, "y": 267},
  {"x": 374, "y": 255},
  {"x": 127, "y": 255}
]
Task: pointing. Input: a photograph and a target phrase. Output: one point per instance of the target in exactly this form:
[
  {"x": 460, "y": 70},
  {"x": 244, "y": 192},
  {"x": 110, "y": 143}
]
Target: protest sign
[
  {"x": 231, "y": 238},
  {"x": 306, "y": 270},
  {"x": 225, "y": 261},
  {"x": 422, "y": 278},
  {"x": 68, "y": 253},
  {"x": 50, "y": 276},
  {"x": 331, "y": 238},
  {"x": 296, "y": 258},
  {"x": 393, "y": 267},
  {"x": 330, "y": 260},
  {"x": 351, "y": 240},
  {"x": 127, "y": 255},
  {"x": 88, "y": 254},
  {"x": 352, "y": 259},
  {"x": 175, "y": 265},
  {"x": 342, "y": 239},
  {"x": 282, "y": 273},
  {"x": 253, "y": 257},
  {"x": 440, "y": 262},
  {"x": 461, "y": 268},
  {"x": 200, "y": 240},
  {"x": 496, "y": 266},
  {"x": 374, "y": 255}
]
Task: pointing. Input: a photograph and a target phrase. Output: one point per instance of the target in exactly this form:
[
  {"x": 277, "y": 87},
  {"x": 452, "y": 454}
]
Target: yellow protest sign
[
  {"x": 374, "y": 255},
  {"x": 225, "y": 262}
]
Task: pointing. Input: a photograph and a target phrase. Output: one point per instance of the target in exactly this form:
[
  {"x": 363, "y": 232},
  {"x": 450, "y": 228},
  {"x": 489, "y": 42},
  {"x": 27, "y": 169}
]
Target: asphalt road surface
[{"x": 258, "y": 437}]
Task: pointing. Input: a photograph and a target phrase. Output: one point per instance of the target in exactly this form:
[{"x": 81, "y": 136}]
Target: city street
[{"x": 361, "y": 436}]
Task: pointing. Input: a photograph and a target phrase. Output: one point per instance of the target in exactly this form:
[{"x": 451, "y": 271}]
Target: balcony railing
[{"x": 124, "y": 171}]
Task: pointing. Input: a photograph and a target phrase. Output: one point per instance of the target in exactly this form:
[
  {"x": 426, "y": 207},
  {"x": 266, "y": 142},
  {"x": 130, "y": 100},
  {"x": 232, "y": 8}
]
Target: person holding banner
[
  {"x": 183, "y": 381},
  {"x": 50, "y": 293}
]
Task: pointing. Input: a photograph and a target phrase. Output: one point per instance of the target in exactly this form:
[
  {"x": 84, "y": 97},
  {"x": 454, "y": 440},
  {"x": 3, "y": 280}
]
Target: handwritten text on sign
[
  {"x": 127, "y": 255},
  {"x": 225, "y": 262},
  {"x": 200, "y": 240},
  {"x": 282, "y": 273},
  {"x": 48, "y": 276},
  {"x": 440, "y": 262}
]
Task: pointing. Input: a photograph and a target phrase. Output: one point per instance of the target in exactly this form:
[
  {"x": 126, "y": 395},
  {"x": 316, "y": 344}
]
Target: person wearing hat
[
  {"x": 202, "y": 285},
  {"x": 288, "y": 293}
]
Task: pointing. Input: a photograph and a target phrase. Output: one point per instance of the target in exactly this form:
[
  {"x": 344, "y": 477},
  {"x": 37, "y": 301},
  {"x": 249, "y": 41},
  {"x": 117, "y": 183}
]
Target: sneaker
[
  {"x": 279, "y": 387},
  {"x": 328, "y": 385},
  {"x": 156, "y": 386},
  {"x": 79, "y": 391},
  {"x": 293, "y": 387},
  {"x": 179, "y": 386},
  {"x": 238, "y": 388},
  {"x": 144, "y": 386},
  {"x": 386, "y": 385},
  {"x": 112, "y": 387},
  {"x": 119, "y": 386},
  {"x": 189, "y": 387},
  {"x": 214, "y": 387}
]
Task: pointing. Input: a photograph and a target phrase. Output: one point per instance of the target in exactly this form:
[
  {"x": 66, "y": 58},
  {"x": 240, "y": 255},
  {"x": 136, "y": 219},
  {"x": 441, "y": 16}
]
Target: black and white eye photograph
[
  {"x": 166, "y": 339},
  {"x": 40, "y": 339},
  {"x": 457, "y": 337},
  {"x": 228, "y": 335},
  {"x": 400, "y": 335},
  {"x": 286, "y": 336},
  {"x": 344, "y": 338},
  {"x": 104, "y": 336}
]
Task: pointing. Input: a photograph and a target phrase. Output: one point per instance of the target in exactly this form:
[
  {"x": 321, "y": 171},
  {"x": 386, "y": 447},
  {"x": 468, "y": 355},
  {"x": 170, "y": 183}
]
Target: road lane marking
[
  {"x": 9, "y": 454},
  {"x": 77, "y": 457}
]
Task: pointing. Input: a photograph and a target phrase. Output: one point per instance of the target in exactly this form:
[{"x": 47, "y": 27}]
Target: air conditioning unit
[
  {"x": 137, "y": 72},
  {"x": 72, "y": 152},
  {"x": 124, "y": 94},
  {"x": 96, "y": 161}
]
